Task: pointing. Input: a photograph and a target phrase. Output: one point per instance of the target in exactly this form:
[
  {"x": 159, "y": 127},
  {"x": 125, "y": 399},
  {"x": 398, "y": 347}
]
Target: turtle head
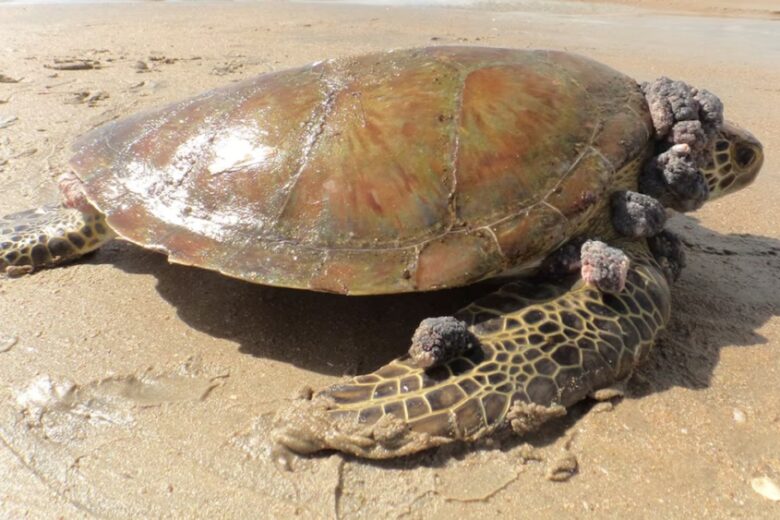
[{"x": 734, "y": 158}]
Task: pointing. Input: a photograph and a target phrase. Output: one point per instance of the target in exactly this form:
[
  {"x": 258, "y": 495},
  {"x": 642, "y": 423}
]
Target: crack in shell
[
  {"x": 452, "y": 197},
  {"x": 334, "y": 86}
]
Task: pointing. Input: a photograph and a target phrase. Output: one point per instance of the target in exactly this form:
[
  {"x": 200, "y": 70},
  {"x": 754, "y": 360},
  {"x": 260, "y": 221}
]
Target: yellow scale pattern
[
  {"x": 49, "y": 236},
  {"x": 541, "y": 345}
]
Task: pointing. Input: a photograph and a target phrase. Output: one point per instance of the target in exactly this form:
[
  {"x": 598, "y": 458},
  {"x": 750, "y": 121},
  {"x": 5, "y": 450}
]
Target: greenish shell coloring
[{"x": 392, "y": 172}]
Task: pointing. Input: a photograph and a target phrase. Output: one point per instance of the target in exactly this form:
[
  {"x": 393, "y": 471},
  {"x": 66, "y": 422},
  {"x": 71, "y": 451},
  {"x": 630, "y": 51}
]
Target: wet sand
[{"x": 135, "y": 388}]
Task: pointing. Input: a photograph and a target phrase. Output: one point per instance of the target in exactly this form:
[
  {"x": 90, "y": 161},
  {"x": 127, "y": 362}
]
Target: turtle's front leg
[
  {"x": 633, "y": 215},
  {"x": 537, "y": 350}
]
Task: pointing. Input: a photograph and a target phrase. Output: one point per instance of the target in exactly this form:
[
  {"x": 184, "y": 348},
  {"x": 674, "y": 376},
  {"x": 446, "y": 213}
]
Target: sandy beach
[{"x": 169, "y": 376}]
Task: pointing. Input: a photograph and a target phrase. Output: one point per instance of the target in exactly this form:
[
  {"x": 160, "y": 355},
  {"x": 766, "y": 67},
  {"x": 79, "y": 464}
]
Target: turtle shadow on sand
[
  {"x": 326, "y": 333},
  {"x": 725, "y": 294},
  {"x": 728, "y": 291}
]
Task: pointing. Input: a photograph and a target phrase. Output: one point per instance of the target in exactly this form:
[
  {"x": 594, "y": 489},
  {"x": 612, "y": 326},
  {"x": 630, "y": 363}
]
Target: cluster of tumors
[{"x": 685, "y": 121}]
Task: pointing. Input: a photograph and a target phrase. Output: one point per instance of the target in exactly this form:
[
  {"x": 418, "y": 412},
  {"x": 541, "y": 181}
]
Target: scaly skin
[
  {"x": 542, "y": 348},
  {"x": 49, "y": 236},
  {"x": 735, "y": 157}
]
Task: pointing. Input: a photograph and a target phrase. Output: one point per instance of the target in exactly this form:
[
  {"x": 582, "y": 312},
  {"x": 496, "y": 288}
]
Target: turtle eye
[{"x": 744, "y": 156}]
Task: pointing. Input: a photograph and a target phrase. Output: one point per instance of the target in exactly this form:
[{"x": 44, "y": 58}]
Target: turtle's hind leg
[{"x": 49, "y": 236}]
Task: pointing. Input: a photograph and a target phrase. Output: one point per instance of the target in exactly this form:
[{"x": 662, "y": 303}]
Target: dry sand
[
  {"x": 177, "y": 371},
  {"x": 721, "y": 8}
]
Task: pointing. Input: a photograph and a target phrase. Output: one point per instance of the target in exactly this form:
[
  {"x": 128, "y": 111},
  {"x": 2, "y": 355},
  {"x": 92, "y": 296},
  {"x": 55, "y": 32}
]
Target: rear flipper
[
  {"x": 540, "y": 349},
  {"x": 49, "y": 236}
]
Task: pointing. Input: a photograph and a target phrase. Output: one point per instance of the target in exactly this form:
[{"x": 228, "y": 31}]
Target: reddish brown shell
[{"x": 400, "y": 171}]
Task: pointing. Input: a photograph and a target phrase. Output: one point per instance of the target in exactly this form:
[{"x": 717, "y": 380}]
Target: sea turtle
[{"x": 417, "y": 170}]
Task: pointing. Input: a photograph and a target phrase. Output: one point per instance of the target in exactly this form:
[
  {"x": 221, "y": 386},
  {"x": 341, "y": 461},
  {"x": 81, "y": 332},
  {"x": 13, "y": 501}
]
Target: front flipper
[{"x": 541, "y": 349}]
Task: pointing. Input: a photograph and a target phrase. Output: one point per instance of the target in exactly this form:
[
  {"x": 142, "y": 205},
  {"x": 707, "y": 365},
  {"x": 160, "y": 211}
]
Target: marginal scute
[
  {"x": 342, "y": 271},
  {"x": 457, "y": 259},
  {"x": 540, "y": 228}
]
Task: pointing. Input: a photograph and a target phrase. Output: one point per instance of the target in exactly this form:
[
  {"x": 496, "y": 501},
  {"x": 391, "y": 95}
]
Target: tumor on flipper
[
  {"x": 669, "y": 252},
  {"x": 439, "y": 340},
  {"x": 673, "y": 177},
  {"x": 530, "y": 369},
  {"x": 636, "y": 214},
  {"x": 604, "y": 266},
  {"x": 563, "y": 261}
]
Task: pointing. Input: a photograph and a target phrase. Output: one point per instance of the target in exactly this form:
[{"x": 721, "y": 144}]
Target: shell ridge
[
  {"x": 315, "y": 131},
  {"x": 455, "y": 154}
]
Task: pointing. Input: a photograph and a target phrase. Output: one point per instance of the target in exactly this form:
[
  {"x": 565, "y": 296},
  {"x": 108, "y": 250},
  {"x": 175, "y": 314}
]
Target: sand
[
  {"x": 135, "y": 388},
  {"x": 720, "y": 8}
]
